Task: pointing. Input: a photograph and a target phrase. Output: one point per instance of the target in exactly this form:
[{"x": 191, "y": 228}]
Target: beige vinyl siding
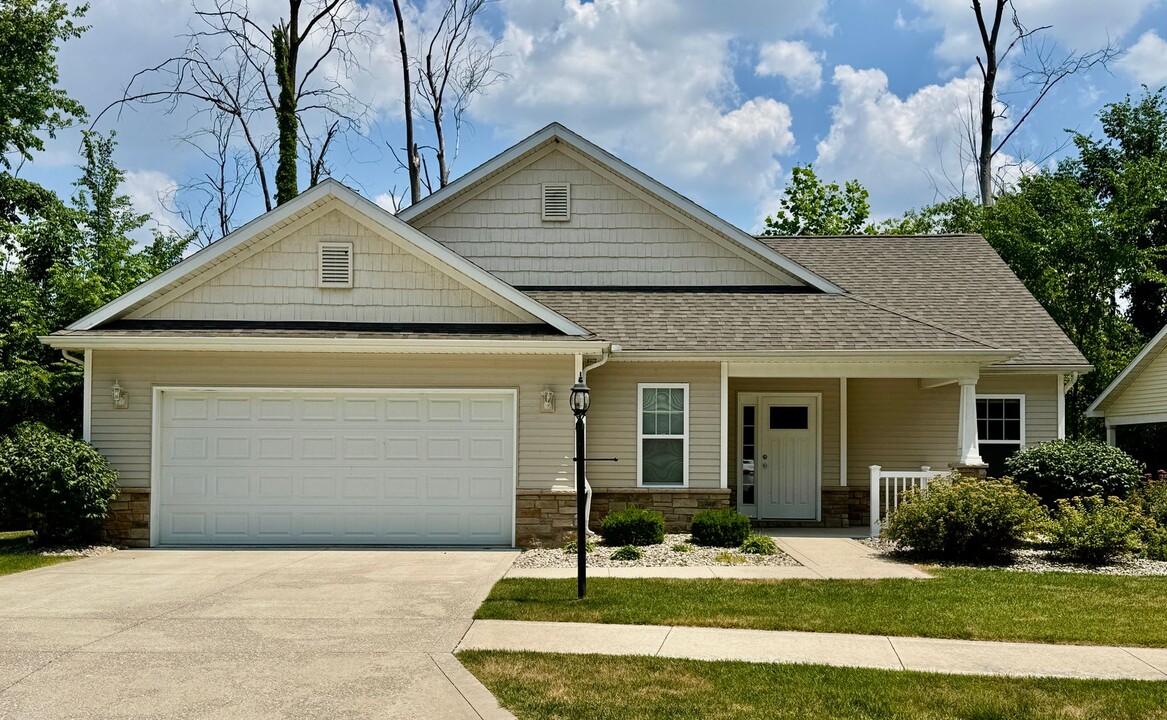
[
  {"x": 546, "y": 440},
  {"x": 279, "y": 283},
  {"x": 898, "y": 425},
  {"x": 612, "y": 430},
  {"x": 828, "y": 420},
  {"x": 615, "y": 236},
  {"x": 1146, "y": 394}
]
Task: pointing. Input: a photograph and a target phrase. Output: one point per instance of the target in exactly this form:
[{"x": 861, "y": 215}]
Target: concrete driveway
[{"x": 245, "y": 634}]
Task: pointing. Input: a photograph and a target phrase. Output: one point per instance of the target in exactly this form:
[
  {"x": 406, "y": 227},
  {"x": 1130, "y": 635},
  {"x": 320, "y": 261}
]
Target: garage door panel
[{"x": 334, "y": 467}]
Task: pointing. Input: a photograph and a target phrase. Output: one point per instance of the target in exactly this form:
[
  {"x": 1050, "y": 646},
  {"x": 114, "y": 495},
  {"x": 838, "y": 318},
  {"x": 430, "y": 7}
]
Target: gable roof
[
  {"x": 556, "y": 133},
  {"x": 957, "y": 282},
  {"x": 313, "y": 198},
  {"x": 1129, "y": 374}
]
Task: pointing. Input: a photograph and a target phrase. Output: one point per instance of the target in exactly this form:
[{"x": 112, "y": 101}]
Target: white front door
[
  {"x": 299, "y": 466},
  {"x": 787, "y": 459}
]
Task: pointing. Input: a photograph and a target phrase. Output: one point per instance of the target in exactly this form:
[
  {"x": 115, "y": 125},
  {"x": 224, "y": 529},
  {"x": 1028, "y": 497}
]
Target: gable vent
[
  {"x": 557, "y": 201},
  {"x": 336, "y": 265}
]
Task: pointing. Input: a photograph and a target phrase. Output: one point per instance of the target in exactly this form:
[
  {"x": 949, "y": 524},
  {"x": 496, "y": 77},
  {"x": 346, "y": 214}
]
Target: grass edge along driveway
[
  {"x": 15, "y": 555},
  {"x": 541, "y": 686},
  {"x": 966, "y": 604}
]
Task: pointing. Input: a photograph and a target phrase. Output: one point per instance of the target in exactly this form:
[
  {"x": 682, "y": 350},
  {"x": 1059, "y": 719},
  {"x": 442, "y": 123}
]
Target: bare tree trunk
[
  {"x": 413, "y": 159},
  {"x": 988, "y": 94}
]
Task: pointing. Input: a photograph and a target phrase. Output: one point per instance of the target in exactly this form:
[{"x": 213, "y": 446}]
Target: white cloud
[
  {"x": 905, "y": 151},
  {"x": 795, "y": 61},
  {"x": 1081, "y": 25},
  {"x": 389, "y": 201},
  {"x": 652, "y": 81},
  {"x": 1146, "y": 61},
  {"x": 152, "y": 192}
]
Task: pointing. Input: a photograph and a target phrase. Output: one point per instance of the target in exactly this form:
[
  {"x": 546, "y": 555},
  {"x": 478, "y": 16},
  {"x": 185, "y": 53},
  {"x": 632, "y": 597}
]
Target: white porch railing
[{"x": 887, "y": 486}]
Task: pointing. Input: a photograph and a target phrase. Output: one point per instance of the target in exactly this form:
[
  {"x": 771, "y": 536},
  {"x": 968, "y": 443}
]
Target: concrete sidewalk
[
  {"x": 966, "y": 657},
  {"x": 820, "y": 557}
]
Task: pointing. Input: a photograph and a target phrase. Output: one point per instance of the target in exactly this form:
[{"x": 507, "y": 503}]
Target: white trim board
[
  {"x": 303, "y": 203},
  {"x": 156, "y": 428},
  {"x": 559, "y": 134}
]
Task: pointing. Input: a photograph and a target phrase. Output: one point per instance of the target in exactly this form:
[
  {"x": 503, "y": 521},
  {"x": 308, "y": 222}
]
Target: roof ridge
[
  {"x": 922, "y": 321},
  {"x": 877, "y": 236}
]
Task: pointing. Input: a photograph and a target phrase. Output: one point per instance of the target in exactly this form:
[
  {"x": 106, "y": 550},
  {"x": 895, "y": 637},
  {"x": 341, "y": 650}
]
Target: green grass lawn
[
  {"x": 15, "y": 556},
  {"x": 957, "y": 603},
  {"x": 598, "y": 687}
]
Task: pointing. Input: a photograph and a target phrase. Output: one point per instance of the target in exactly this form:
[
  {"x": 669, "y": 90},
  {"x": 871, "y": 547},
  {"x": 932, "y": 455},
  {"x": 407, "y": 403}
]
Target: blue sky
[{"x": 718, "y": 100}]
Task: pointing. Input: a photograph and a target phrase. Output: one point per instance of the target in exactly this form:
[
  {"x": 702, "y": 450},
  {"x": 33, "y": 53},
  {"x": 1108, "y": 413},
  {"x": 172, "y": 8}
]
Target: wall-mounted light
[
  {"x": 121, "y": 398},
  {"x": 548, "y": 396}
]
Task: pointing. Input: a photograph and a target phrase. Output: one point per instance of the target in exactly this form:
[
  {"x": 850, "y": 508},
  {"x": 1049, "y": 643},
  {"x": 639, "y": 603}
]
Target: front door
[{"x": 788, "y": 457}]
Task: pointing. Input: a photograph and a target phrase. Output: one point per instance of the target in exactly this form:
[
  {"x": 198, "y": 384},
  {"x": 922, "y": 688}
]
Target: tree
[
  {"x": 1043, "y": 67},
  {"x": 1126, "y": 170},
  {"x": 265, "y": 89},
  {"x": 33, "y": 106},
  {"x": 458, "y": 64},
  {"x": 811, "y": 207}
]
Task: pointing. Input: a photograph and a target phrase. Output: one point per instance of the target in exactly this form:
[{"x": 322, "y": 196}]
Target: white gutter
[{"x": 605, "y": 356}]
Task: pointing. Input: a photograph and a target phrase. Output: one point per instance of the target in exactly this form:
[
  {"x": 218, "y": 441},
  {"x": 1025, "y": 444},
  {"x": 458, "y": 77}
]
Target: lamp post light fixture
[{"x": 581, "y": 399}]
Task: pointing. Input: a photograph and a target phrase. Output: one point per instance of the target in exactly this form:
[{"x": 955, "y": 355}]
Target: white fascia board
[
  {"x": 987, "y": 356},
  {"x": 244, "y": 343},
  {"x": 1038, "y": 369},
  {"x": 618, "y": 166},
  {"x": 375, "y": 213},
  {"x": 1132, "y": 370}
]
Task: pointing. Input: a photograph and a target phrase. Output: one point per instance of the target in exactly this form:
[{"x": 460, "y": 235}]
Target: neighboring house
[
  {"x": 1137, "y": 400},
  {"x": 332, "y": 373}
]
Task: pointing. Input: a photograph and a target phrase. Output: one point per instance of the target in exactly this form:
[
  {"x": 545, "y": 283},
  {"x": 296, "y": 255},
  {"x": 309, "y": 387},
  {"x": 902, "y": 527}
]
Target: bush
[
  {"x": 58, "y": 487},
  {"x": 1074, "y": 468},
  {"x": 682, "y": 548},
  {"x": 963, "y": 518},
  {"x": 1096, "y": 530},
  {"x": 1151, "y": 500},
  {"x": 720, "y": 528},
  {"x": 628, "y": 552},
  {"x": 573, "y": 545},
  {"x": 633, "y": 526},
  {"x": 759, "y": 545}
]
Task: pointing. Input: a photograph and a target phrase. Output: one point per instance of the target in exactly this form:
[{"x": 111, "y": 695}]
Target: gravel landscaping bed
[
  {"x": 654, "y": 556},
  {"x": 1033, "y": 560},
  {"x": 82, "y": 551}
]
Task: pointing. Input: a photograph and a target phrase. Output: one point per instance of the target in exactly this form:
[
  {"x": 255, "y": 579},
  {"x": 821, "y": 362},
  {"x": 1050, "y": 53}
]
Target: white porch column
[
  {"x": 843, "y": 432},
  {"x": 970, "y": 451},
  {"x": 725, "y": 427},
  {"x": 1111, "y": 435},
  {"x": 87, "y": 399}
]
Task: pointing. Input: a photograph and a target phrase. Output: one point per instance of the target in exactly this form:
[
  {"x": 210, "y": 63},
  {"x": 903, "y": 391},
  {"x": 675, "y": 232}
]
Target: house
[
  {"x": 1137, "y": 401},
  {"x": 332, "y": 373}
]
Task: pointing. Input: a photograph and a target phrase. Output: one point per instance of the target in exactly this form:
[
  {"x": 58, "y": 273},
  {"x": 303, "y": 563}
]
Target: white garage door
[{"x": 332, "y": 467}]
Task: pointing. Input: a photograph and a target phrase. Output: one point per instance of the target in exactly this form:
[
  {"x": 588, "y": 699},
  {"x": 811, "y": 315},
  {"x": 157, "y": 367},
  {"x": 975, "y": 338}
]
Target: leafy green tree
[
  {"x": 32, "y": 105},
  {"x": 1127, "y": 171},
  {"x": 811, "y": 207}
]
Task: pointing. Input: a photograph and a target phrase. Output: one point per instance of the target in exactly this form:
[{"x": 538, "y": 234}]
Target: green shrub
[
  {"x": 1151, "y": 500},
  {"x": 720, "y": 528},
  {"x": 963, "y": 518},
  {"x": 759, "y": 545},
  {"x": 1096, "y": 530},
  {"x": 573, "y": 545},
  {"x": 59, "y": 487},
  {"x": 628, "y": 552},
  {"x": 633, "y": 526},
  {"x": 682, "y": 548},
  {"x": 1074, "y": 468}
]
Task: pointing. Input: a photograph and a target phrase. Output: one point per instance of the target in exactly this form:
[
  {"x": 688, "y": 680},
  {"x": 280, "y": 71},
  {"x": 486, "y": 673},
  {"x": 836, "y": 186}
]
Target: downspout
[
  {"x": 605, "y": 356},
  {"x": 72, "y": 358}
]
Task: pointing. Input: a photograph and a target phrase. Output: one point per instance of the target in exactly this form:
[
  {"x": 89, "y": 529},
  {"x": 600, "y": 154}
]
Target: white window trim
[
  {"x": 746, "y": 400},
  {"x": 1003, "y": 396},
  {"x": 640, "y": 436}
]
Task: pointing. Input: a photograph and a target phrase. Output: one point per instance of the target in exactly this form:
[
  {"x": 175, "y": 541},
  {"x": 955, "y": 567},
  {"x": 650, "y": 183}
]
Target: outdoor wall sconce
[
  {"x": 548, "y": 396},
  {"x": 121, "y": 398}
]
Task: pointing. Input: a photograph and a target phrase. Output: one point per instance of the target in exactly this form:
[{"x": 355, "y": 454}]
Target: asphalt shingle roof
[
  {"x": 746, "y": 321},
  {"x": 954, "y": 281}
]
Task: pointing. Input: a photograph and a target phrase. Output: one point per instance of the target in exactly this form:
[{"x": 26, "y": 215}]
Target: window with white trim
[
  {"x": 663, "y": 423},
  {"x": 1000, "y": 429}
]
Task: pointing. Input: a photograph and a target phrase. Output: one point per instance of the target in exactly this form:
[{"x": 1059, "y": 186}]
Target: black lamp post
[{"x": 580, "y": 400}]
